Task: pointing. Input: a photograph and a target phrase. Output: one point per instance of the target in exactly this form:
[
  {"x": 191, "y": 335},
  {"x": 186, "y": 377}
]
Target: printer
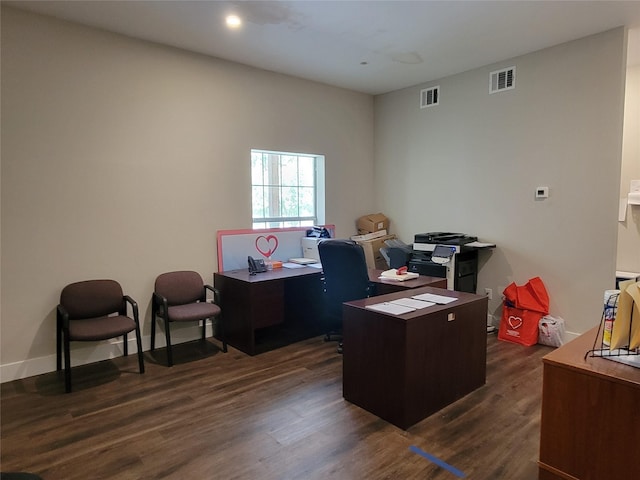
[
  {"x": 444, "y": 238},
  {"x": 447, "y": 255},
  {"x": 310, "y": 247}
]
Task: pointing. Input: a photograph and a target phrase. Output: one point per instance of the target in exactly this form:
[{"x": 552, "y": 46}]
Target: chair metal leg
[
  {"x": 140, "y": 354},
  {"x": 168, "y": 337},
  {"x": 125, "y": 345},
  {"x": 223, "y": 337},
  {"x": 153, "y": 325},
  {"x": 67, "y": 365},
  {"x": 58, "y": 346},
  {"x": 204, "y": 329}
]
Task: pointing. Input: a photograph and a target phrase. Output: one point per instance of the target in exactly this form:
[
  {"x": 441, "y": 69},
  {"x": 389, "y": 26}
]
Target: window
[{"x": 287, "y": 189}]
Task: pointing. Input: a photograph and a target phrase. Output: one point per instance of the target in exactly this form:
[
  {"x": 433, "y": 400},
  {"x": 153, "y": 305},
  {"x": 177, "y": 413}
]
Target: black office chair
[{"x": 346, "y": 278}]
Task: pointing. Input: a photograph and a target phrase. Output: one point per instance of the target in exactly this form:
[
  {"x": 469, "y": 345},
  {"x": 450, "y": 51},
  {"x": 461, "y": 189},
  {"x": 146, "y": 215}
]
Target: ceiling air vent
[
  {"x": 501, "y": 80},
  {"x": 430, "y": 97}
]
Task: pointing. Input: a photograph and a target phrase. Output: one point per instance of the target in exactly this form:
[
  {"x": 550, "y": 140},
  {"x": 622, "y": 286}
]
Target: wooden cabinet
[
  {"x": 404, "y": 368},
  {"x": 590, "y": 426}
]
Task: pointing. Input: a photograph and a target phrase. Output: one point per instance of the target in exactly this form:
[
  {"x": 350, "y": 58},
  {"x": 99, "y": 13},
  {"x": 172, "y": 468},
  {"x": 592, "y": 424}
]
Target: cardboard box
[
  {"x": 372, "y": 223},
  {"x": 372, "y": 252}
]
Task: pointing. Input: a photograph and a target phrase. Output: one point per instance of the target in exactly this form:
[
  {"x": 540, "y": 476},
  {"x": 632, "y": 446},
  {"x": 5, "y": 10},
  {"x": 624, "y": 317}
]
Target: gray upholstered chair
[
  {"x": 182, "y": 297},
  {"x": 94, "y": 310}
]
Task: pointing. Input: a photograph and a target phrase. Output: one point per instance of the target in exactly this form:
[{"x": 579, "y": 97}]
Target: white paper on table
[
  {"x": 431, "y": 297},
  {"x": 393, "y": 309},
  {"x": 412, "y": 303}
]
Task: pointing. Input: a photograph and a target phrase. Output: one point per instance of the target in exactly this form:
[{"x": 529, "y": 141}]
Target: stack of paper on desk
[
  {"x": 303, "y": 260},
  {"x": 412, "y": 303},
  {"x": 393, "y": 275},
  {"x": 400, "y": 306},
  {"x": 392, "y": 308},
  {"x": 430, "y": 297}
]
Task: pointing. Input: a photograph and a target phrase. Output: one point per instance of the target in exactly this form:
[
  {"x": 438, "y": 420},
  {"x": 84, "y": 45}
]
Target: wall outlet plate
[{"x": 542, "y": 192}]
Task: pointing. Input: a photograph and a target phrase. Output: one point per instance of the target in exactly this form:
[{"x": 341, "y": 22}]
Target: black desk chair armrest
[
  {"x": 216, "y": 293},
  {"x": 134, "y": 307}
]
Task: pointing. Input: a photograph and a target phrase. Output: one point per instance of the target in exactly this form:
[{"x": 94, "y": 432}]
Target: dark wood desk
[
  {"x": 272, "y": 309},
  {"x": 403, "y": 368},
  {"x": 590, "y": 426}
]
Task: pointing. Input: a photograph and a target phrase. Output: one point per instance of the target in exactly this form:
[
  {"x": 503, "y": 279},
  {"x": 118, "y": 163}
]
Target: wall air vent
[
  {"x": 501, "y": 80},
  {"x": 430, "y": 97}
]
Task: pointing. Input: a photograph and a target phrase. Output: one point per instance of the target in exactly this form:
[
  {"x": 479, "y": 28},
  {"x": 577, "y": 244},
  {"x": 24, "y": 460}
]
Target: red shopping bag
[
  {"x": 519, "y": 326},
  {"x": 523, "y": 307},
  {"x": 530, "y": 296}
]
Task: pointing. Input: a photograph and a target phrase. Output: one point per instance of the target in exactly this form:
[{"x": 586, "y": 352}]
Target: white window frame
[{"x": 267, "y": 188}]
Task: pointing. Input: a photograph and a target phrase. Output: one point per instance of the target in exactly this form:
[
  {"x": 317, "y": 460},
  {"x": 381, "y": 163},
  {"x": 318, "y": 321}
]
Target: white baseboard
[{"x": 83, "y": 353}]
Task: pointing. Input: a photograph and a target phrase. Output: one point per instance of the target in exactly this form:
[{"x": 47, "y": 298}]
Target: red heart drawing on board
[
  {"x": 268, "y": 245},
  {"x": 515, "y": 322}
]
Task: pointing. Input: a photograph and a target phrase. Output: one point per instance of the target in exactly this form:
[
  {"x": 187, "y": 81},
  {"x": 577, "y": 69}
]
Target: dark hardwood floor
[{"x": 279, "y": 415}]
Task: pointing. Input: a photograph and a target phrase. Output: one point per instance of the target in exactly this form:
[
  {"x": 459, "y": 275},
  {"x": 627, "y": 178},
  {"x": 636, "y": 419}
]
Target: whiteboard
[{"x": 278, "y": 243}]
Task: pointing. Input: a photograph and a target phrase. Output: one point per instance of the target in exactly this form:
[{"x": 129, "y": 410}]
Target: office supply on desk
[
  {"x": 309, "y": 247},
  {"x": 413, "y": 303},
  {"x": 432, "y": 297},
  {"x": 391, "y": 308},
  {"x": 303, "y": 261},
  {"x": 292, "y": 265},
  {"x": 318, "y": 232},
  {"x": 393, "y": 274},
  {"x": 256, "y": 266},
  {"x": 396, "y": 253},
  {"x": 386, "y": 285}
]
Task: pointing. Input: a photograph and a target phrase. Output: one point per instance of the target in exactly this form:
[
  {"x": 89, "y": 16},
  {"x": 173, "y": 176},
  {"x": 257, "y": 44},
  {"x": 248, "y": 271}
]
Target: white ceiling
[{"x": 368, "y": 46}]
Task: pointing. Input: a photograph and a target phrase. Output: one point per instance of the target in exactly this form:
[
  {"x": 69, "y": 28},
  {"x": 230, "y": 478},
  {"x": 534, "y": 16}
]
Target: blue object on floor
[{"x": 437, "y": 461}]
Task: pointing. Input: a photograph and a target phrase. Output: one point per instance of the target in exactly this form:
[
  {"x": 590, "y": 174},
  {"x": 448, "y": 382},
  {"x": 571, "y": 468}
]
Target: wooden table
[
  {"x": 590, "y": 426},
  {"x": 403, "y": 368},
  {"x": 272, "y": 309}
]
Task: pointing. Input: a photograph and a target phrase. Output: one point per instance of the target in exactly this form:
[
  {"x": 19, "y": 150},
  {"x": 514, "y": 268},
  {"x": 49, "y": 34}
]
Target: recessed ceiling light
[{"x": 233, "y": 21}]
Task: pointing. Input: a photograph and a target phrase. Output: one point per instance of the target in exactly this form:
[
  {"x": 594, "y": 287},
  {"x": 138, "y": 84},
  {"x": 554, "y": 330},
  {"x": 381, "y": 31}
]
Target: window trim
[{"x": 318, "y": 194}]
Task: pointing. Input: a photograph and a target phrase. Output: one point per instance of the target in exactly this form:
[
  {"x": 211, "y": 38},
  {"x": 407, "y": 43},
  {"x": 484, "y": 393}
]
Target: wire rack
[{"x": 600, "y": 345}]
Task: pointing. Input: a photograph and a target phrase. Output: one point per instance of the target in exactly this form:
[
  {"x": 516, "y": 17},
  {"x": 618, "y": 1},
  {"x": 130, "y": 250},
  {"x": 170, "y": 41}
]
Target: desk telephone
[{"x": 256, "y": 266}]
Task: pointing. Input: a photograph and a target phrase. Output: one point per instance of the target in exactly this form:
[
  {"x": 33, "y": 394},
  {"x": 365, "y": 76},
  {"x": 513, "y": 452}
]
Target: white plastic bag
[{"x": 551, "y": 331}]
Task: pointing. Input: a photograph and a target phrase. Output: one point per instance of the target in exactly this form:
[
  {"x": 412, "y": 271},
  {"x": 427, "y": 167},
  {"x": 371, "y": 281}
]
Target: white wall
[
  {"x": 472, "y": 164},
  {"x": 629, "y": 230},
  {"x": 122, "y": 159}
]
